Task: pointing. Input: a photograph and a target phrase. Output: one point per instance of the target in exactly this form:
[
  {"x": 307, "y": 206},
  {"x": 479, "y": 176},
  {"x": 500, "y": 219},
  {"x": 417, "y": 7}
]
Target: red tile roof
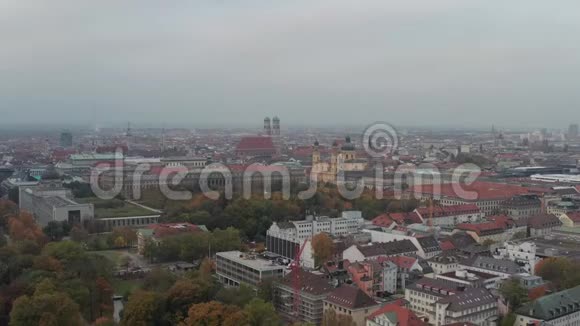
[
  {"x": 169, "y": 229},
  {"x": 574, "y": 216},
  {"x": 383, "y": 220},
  {"x": 544, "y": 221},
  {"x": 405, "y": 317},
  {"x": 255, "y": 143},
  {"x": 444, "y": 211},
  {"x": 483, "y": 190},
  {"x": 350, "y": 297},
  {"x": 400, "y": 261},
  {"x": 446, "y": 245},
  {"x": 480, "y": 228}
]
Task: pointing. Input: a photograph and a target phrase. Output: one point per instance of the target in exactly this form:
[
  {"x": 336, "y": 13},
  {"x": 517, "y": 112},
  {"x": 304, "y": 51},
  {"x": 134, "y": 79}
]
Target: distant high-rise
[
  {"x": 276, "y": 125},
  {"x": 573, "y": 131},
  {"x": 66, "y": 139},
  {"x": 267, "y": 126}
]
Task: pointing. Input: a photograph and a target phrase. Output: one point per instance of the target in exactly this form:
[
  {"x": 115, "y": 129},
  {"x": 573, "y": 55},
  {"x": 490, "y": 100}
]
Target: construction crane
[{"x": 296, "y": 286}]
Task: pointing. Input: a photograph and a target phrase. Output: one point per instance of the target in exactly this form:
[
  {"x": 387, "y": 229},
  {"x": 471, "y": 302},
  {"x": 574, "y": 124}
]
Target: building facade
[{"x": 235, "y": 267}]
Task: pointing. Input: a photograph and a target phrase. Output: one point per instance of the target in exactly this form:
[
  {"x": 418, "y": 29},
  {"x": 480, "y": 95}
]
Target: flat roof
[{"x": 255, "y": 263}]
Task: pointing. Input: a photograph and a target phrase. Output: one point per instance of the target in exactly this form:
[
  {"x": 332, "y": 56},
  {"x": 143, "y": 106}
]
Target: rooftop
[
  {"x": 482, "y": 190},
  {"x": 311, "y": 283},
  {"x": 470, "y": 298},
  {"x": 554, "y": 305},
  {"x": 350, "y": 297},
  {"x": 251, "y": 261}
]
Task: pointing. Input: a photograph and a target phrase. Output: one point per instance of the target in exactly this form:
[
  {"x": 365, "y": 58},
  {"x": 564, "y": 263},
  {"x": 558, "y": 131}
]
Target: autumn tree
[
  {"x": 7, "y": 210},
  {"x": 215, "y": 314},
  {"x": 537, "y": 292},
  {"x": 104, "y": 297},
  {"x": 143, "y": 308},
  {"x": 561, "y": 271},
  {"x": 46, "y": 307},
  {"x": 127, "y": 234},
  {"x": 182, "y": 295},
  {"x": 23, "y": 227},
  {"x": 323, "y": 248}
]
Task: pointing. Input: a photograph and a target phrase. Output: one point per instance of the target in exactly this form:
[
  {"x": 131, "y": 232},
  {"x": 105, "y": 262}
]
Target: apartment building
[
  {"x": 350, "y": 301},
  {"x": 314, "y": 288},
  {"x": 444, "y": 302}
]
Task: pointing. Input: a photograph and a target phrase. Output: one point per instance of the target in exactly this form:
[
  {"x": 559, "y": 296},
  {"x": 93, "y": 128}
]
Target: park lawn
[{"x": 114, "y": 208}]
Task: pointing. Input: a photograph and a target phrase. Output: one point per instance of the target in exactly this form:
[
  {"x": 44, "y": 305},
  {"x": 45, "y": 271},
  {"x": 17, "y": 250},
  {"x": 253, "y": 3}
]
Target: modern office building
[{"x": 235, "y": 267}]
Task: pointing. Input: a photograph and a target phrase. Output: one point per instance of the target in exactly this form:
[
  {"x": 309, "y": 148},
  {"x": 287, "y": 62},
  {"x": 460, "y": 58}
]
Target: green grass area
[
  {"x": 126, "y": 287},
  {"x": 113, "y": 255},
  {"x": 114, "y": 208}
]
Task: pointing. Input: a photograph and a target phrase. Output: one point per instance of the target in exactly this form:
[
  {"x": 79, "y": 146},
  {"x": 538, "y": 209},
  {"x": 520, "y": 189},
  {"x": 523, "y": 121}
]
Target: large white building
[
  {"x": 427, "y": 247},
  {"x": 523, "y": 253},
  {"x": 284, "y": 238},
  {"x": 445, "y": 302},
  {"x": 48, "y": 202}
]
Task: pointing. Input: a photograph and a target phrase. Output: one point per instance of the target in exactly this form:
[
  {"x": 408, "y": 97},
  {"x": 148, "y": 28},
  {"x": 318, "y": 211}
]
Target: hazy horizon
[{"x": 445, "y": 64}]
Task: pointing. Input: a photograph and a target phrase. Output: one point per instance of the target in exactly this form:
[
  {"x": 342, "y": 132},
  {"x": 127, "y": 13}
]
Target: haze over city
[
  {"x": 289, "y": 163},
  {"x": 229, "y": 63}
]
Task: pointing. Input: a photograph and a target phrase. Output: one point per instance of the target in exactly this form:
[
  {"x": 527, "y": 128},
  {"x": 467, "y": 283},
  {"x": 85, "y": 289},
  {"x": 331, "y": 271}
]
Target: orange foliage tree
[
  {"x": 23, "y": 227},
  {"x": 215, "y": 314},
  {"x": 323, "y": 247},
  {"x": 536, "y": 293}
]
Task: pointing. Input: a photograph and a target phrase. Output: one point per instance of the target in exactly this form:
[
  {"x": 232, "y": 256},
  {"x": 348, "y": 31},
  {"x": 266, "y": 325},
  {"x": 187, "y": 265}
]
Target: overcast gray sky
[{"x": 440, "y": 62}]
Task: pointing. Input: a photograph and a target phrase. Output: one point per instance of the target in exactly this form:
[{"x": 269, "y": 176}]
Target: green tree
[
  {"x": 239, "y": 296},
  {"x": 514, "y": 293},
  {"x": 55, "y": 230},
  {"x": 508, "y": 320},
  {"x": 159, "y": 280},
  {"x": 261, "y": 313},
  {"x": 46, "y": 307}
]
